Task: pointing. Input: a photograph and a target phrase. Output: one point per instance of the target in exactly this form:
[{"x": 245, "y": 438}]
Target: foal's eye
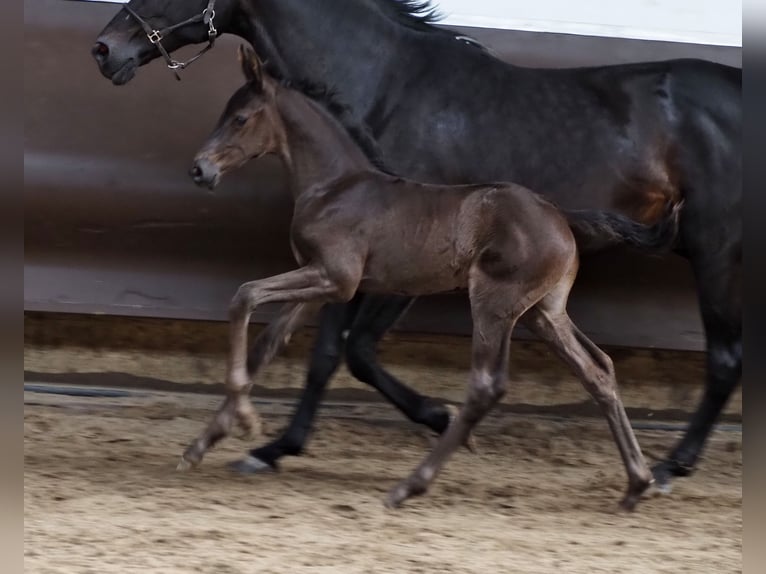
[{"x": 240, "y": 120}]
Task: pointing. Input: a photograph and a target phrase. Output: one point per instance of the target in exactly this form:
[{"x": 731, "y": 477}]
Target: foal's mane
[{"x": 327, "y": 98}]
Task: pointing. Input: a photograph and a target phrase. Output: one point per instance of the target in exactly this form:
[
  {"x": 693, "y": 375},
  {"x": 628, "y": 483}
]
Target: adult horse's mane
[
  {"x": 420, "y": 14},
  {"x": 327, "y": 98}
]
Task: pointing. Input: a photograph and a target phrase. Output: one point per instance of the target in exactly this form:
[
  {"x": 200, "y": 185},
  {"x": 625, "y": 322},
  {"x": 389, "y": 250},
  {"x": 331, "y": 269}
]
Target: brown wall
[{"x": 114, "y": 225}]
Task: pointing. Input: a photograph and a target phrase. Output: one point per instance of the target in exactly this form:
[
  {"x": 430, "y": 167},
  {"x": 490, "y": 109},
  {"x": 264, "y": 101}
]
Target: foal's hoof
[
  {"x": 396, "y": 496},
  {"x": 405, "y": 489},
  {"x": 634, "y": 494},
  {"x": 628, "y": 504},
  {"x": 251, "y": 465},
  {"x": 185, "y": 465},
  {"x": 192, "y": 456}
]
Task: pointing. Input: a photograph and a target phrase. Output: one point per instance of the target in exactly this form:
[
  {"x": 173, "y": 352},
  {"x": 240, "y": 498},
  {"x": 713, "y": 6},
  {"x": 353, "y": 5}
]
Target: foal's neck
[{"x": 319, "y": 149}]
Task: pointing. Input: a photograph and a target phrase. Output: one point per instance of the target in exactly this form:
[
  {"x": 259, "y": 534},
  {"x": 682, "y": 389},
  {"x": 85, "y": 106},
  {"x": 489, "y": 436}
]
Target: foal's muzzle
[{"x": 205, "y": 173}]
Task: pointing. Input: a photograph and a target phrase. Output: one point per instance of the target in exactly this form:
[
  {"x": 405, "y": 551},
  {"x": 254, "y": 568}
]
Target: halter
[{"x": 207, "y": 16}]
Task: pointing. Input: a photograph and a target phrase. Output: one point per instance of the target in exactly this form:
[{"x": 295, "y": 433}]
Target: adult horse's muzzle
[
  {"x": 118, "y": 57},
  {"x": 115, "y": 62},
  {"x": 205, "y": 173}
]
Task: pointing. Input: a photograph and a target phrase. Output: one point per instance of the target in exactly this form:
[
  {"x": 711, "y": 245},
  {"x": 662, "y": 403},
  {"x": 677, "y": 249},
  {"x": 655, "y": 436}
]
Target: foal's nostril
[
  {"x": 196, "y": 172},
  {"x": 100, "y": 50}
]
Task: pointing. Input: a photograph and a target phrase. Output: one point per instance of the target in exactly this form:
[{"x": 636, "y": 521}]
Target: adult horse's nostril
[{"x": 100, "y": 51}]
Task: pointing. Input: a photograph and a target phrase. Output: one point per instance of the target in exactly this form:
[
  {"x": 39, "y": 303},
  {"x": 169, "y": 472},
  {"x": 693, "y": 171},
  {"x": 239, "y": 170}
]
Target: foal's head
[{"x": 249, "y": 128}]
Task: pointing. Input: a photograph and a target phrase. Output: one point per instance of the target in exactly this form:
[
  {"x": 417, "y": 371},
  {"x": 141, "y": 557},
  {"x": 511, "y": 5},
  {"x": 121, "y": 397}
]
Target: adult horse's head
[{"x": 147, "y": 29}]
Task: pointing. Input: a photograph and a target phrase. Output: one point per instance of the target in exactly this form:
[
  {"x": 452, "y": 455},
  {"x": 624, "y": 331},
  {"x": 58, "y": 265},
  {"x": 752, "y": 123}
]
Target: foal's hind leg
[
  {"x": 594, "y": 368},
  {"x": 493, "y": 323},
  {"x": 304, "y": 285}
]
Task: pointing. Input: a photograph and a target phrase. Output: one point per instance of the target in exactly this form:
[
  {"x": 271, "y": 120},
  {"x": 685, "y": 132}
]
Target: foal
[{"x": 358, "y": 227}]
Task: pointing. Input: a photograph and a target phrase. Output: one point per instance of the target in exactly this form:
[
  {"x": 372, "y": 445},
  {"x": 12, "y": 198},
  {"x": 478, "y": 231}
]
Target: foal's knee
[{"x": 241, "y": 302}]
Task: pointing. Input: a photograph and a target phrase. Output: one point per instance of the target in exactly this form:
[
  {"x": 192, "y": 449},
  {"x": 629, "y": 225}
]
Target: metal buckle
[
  {"x": 155, "y": 36},
  {"x": 209, "y": 16}
]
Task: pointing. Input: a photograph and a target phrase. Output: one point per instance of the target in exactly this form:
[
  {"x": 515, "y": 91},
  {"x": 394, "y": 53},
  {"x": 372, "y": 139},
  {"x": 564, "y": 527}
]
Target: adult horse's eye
[{"x": 240, "y": 120}]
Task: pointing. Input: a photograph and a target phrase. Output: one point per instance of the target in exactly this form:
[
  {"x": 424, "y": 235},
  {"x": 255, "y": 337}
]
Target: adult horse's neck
[
  {"x": 327, "y": 41},
  {"x": 319, "y": 148}
]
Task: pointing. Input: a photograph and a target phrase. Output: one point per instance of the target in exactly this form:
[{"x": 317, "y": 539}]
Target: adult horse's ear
[{"x": 251, "y": 65}]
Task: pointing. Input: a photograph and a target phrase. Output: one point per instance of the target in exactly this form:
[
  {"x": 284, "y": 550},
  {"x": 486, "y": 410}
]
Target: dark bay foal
[{"x": 357, "y": 227}]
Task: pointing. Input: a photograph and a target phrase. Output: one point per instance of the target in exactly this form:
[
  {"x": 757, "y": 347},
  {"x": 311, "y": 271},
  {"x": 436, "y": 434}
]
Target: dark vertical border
[
  {"x": 11, "y": 289},
  {"x": 754, "y": 391}
]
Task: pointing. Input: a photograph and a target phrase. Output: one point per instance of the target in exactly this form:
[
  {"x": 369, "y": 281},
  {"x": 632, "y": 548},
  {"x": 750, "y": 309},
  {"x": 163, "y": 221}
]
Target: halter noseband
[{"x": 207, "y": 16}]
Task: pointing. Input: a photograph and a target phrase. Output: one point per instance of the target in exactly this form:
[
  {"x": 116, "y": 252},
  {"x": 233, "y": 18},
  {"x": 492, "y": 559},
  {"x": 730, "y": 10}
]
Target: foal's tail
[{"x": 595, "y": 229}]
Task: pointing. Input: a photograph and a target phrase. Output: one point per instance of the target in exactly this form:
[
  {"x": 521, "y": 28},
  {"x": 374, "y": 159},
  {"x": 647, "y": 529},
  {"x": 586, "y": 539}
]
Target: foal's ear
[{"x": 251, "y": 65}]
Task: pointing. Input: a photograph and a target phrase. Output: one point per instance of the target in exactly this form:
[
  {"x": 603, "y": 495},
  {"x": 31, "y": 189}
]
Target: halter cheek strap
[{"x": 207, "y": 16}]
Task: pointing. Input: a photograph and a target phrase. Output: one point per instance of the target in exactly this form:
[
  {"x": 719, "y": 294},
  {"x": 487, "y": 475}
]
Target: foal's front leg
[{"x": 307, "y": 284}]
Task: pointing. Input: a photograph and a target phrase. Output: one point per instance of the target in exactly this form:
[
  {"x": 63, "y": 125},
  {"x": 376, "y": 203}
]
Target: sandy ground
[{"x": 102, "y": 496}]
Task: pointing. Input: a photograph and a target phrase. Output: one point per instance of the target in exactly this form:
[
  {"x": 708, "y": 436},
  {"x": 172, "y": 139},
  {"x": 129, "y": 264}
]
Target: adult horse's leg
[
  {"x": 376, "y": 315},
  {"x": 325, "y": 357},
  {"x": 719, "y": 289},
  {"x": 486, "y": 386},
  {"x": 367, "y": 317},
  {"x": 549, "y": 320},
  {"x": 304, "y": 285}
]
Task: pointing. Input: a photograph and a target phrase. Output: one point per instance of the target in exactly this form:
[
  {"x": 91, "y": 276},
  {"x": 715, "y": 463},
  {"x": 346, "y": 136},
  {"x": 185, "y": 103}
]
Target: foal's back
[{"x": 419, "y": 239}]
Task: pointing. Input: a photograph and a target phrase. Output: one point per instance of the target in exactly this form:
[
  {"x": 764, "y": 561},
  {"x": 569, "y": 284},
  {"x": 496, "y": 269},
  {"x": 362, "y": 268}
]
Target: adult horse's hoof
[
  {"x": 664, "y": 486},
  {"x": 663, "y": 477},
  {"x": 251, "y": 465}
]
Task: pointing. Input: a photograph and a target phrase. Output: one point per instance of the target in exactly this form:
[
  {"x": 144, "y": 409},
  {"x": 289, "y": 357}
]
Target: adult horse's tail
[{"x": 595, "y": 229}]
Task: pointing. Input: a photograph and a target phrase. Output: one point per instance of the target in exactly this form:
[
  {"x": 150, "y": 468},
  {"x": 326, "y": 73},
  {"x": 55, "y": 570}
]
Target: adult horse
[{"x": 624, "y": 137}]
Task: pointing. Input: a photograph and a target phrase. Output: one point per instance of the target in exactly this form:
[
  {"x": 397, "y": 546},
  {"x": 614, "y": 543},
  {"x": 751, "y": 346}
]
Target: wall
[{"x": 114, "y": 226}]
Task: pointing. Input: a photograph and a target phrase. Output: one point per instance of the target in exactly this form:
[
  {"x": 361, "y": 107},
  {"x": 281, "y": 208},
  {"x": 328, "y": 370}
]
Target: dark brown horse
[{"x": 356, "y": 227}]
